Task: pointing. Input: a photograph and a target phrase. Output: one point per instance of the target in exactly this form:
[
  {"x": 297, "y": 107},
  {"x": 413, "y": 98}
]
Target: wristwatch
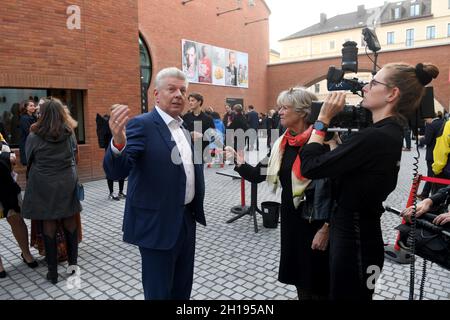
[{"x": 320, "y": 126}]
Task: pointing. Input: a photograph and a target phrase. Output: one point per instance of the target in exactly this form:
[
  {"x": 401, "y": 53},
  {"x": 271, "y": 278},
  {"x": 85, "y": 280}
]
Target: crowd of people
[{"x": 332, "y": 191}]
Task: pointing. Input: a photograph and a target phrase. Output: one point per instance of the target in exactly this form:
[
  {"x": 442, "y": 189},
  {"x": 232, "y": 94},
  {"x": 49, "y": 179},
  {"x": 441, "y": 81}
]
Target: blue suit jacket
[{"x": 156, "y": 186}]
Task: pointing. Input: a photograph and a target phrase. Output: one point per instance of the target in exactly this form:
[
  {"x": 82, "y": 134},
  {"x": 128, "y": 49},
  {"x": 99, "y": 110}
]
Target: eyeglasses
[{"x": 373, "y": 81}]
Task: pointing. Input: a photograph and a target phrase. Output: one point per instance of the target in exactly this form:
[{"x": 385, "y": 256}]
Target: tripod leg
[
  {"x": 240, "y": 215},
  {"x": 255, "y": 221}
]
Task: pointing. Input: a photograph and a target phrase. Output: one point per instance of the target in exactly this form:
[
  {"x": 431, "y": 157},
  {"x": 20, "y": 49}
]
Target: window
[
  {"x": 415, "y": 10},
  {"x": 431, "y": 32},
  {"x": 397, "y": 13},
  {"x": 146, "y": 73},
  {"x": 448, "y": 29},
  {"x": 410, "y": 37},
  {"x": 332, "y": 45},
  {"x": 11, "y": 101},
  {"x": 390, "y": 38},
  {"x": 449, "y": 4},
  {"x": 317, "y": 88}
]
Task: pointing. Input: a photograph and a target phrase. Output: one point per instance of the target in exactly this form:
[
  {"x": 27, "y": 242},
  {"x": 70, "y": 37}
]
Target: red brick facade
[
  {"x": 163, "y": 26},
  {"x": 37, "y": 50},
  {"x": 102, "y": 58}
]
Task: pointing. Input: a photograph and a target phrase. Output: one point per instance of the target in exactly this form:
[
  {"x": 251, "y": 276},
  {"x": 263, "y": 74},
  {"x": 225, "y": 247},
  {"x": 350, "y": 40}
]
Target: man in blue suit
[{"x": 165, "y": 187}]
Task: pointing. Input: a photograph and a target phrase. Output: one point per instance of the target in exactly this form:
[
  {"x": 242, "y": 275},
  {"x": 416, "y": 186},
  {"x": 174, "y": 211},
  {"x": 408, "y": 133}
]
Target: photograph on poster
[
  {"x": 218, "y": 66},
  {"x": 190, "y": 60},
  {"x": 231, "y": 69},
  {"x": 242, "y": 65},
  {"x": 207, "y": 64}
]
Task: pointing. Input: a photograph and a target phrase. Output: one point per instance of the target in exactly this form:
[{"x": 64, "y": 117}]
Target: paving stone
[{"x": 231, "y": 261}]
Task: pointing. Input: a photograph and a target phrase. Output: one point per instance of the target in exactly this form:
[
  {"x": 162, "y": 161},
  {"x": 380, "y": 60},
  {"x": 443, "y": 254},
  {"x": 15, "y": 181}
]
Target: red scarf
[{"x": 296, "y": 141}]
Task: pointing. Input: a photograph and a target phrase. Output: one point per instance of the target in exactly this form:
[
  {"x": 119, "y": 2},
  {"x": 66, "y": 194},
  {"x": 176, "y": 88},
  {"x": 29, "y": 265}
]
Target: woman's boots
[
  {"x": 51, "y": 258},
  {"x": 51, "y": 254},
  {"x": 72, "y": 246}
]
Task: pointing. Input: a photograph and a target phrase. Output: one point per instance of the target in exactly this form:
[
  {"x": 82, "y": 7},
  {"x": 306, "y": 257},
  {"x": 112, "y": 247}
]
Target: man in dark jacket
[
  {"x": 198, "y": 123},
  {"x": 432, "y": 130},
  {"x": 253, "y": 123}
]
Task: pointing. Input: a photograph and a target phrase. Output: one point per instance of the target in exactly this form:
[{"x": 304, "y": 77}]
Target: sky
[{"x": 290, "y": 16}]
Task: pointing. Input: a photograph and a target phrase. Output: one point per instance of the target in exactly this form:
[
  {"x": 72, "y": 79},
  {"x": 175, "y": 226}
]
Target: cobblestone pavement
[{"x": 232, "y": 261}]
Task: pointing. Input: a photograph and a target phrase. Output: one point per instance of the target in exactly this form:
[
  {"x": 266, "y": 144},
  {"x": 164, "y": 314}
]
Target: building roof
[
  {"x": 267, "y": 7},
  {"x": 363, "y": 17},
  {"x": 274, "y": 52}
]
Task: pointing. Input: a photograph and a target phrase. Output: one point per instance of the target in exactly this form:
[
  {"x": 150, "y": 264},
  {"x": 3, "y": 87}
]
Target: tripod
[{"x": 244, "y": 210}]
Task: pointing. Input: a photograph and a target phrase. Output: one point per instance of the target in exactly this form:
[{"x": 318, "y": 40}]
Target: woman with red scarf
[{"x": 304, "y": 226}]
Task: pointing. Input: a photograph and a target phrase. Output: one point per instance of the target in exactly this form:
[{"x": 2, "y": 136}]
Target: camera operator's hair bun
[
  {"x": 426, "y": 72},
  {"x": 411, "y": 81}
]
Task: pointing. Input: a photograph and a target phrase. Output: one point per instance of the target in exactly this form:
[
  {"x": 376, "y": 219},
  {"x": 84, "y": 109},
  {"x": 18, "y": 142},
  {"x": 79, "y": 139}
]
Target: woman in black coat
[
  {"x": 304, "y": 236},
  {"x": 50, "y": 193},
  {"x": 365, "y": 169},
  {"x": 27, "y": 118}
]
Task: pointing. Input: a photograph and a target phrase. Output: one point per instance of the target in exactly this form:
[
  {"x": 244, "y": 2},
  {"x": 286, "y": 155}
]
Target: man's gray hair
[
  {"x": 299, "y": 98},
  {"x": 171, "y": 72}
]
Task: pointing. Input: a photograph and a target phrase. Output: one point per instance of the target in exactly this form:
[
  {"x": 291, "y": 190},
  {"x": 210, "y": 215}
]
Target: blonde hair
[
  {"x": 170, "y": 73},
  {"x": 299, "y": 98}
]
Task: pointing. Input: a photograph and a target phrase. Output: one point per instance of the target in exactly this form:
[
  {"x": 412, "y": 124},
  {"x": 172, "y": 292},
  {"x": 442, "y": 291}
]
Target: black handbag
[
  {"x": 317, "y": 203},
  {"x": 79, "y": 188}
]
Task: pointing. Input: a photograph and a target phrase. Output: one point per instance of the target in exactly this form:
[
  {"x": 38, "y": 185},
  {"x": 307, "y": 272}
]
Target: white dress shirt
[{"x": 184, "y": 148}]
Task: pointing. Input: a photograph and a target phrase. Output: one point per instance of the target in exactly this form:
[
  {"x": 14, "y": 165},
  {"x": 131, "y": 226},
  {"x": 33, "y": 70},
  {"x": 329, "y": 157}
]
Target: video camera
[{"x": 352, "y": 118}]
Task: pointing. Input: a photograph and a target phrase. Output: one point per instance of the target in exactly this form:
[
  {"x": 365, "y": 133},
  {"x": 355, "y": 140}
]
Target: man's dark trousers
[{"x": 168, "y": 274}]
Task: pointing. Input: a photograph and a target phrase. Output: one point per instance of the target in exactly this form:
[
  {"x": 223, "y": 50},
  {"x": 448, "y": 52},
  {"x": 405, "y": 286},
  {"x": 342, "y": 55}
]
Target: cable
[
  {"x": 368, "y": 56},
  {"x": 412, "y": 233},
  {"x": 422, "y": 282}
]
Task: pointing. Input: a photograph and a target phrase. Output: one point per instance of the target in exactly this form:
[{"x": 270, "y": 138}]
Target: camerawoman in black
[{"x": 364, "y": 170}]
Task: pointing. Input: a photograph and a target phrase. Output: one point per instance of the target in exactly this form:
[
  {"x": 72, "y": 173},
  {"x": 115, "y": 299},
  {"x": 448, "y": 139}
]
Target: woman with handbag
[
  {"x": 304, "y": 226},
  {"x": 51, "y": 191},
  {"x": 37, "y": 236}
]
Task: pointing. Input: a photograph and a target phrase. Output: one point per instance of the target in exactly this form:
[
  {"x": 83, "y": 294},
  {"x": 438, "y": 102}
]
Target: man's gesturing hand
[{"x": 117, "y": 123}]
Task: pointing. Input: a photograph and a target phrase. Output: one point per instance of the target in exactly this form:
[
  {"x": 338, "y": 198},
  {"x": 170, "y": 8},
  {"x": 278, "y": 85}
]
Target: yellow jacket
[{"x": 441, "y": 150}]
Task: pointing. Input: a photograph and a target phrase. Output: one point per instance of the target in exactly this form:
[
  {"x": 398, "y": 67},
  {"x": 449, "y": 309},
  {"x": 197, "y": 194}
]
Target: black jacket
[
  {"x": 432, "y": 131},
  {"x": 364, "y": 167}
]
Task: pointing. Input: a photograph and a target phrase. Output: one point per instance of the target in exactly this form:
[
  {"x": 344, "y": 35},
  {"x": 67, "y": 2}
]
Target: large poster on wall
[{"x": 207, "y": 64}]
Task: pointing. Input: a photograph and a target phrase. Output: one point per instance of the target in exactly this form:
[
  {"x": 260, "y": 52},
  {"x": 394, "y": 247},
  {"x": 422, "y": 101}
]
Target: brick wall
[
  {"x": 285, "y": 75},
  {"x": 38, "y": 51},
  {"x": 163, "y": 25}
]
